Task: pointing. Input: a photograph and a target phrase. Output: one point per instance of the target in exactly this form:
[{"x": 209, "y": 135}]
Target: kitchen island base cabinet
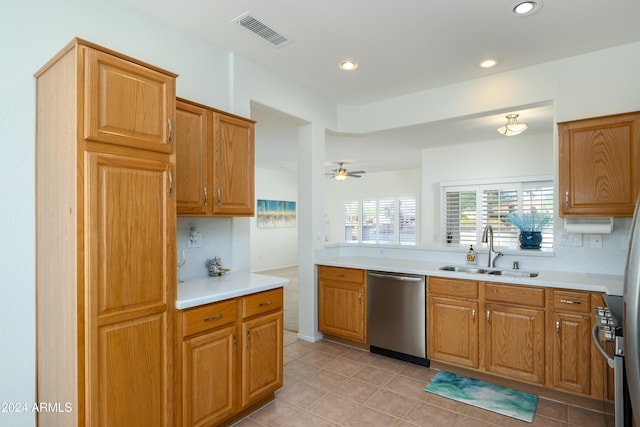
[{"x": 231, "y": 359}]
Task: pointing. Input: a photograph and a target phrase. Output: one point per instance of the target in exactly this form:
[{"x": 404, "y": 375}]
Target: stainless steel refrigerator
[{"x": 631, "y": 315}]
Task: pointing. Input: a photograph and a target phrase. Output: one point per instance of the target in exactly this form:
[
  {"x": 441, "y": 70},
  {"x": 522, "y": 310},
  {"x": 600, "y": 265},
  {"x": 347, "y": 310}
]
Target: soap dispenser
[{"x": 471, "y": 256}]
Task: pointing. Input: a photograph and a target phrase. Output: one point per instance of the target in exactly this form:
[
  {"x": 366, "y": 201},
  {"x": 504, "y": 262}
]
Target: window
[
  {"x": 382, "y": 221},
  {"x": 469, "y": 207}
]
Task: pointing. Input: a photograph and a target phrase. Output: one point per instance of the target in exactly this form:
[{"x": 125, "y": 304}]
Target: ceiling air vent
[{"x": 262, "y": 30}]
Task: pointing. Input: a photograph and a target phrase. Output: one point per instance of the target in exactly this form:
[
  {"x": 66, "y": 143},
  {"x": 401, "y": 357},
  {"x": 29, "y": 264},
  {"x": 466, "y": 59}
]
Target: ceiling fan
[{"x": 341, "y": 173}]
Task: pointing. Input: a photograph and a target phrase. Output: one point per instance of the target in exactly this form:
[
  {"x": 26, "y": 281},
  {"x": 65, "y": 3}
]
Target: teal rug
[{"x": 505, "y": 401}]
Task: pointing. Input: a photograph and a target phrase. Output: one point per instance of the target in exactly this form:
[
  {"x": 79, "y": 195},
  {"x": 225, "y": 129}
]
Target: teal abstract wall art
[{"x": 276, "y": 213}]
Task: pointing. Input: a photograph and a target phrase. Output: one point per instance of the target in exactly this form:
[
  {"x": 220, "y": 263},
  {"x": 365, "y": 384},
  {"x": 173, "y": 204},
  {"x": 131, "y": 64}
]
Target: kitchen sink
[
  {"x": 513, "y": 273},
  {"x": 475, "y": 270},
  {"x": 472, "y": 270}
]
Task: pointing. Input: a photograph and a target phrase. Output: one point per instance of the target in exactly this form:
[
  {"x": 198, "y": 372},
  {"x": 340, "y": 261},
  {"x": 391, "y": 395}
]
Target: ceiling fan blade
[
  {"x": 354, "y": 176},
  {"x": 358, "y": 172}
]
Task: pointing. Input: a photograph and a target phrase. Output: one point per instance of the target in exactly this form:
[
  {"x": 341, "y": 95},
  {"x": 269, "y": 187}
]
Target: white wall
[
  {"x": 274, "y": 247},
  {"x": 371, "y": 185},
  {"x": 513, "y": 156}
]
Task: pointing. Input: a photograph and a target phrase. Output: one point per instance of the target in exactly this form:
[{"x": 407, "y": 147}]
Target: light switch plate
[{"x": 194, "y": 240}]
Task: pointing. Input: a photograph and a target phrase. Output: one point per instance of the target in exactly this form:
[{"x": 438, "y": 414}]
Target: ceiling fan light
[
  {"x": 341, "y": 177},
  {"x": 512, "y": 127}
]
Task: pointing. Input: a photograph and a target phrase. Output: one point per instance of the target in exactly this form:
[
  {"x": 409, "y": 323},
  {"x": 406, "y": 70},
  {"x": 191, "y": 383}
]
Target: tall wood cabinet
[
  {"x": 215, "y": 162},
  {"x": 105, "y": 251},
  {"x": 599, "y": 166}
]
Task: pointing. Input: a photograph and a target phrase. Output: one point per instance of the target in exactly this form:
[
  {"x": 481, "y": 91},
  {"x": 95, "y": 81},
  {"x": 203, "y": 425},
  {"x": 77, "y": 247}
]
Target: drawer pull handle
[
  {"x": 170, "y": 134},
  {"x": 339, "y": 275},
  {"x": 558, "y": 328},
  {"x": 216, "y": 317},
  {"x": 473, "y": 315},
  {"x": 235, "y": 344},
  {"x": 568, "y": 301},
  {"x": 489, "y": 317},
  {"x": 248, "y": 340},
  {"x": 262, "y": 304}
]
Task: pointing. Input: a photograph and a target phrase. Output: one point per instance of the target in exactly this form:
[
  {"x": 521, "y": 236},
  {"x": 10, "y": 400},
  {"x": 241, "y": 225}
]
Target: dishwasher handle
[{"x": 394, "y": 277}]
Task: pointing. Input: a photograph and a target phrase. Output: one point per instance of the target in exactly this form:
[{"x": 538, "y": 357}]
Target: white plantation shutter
[
  {"x": 460, "y": 217},
  {"x": 407, "y": 221},
  {"x": 467, "y": 209},
  {"x": 496, "y": 204},
  {"x": 351, "y": 221},
  {"x": 382, "y": 221}
]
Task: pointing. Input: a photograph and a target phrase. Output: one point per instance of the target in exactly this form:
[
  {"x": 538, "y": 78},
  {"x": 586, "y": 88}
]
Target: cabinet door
[
  {"x": 514, "y": 342},
  {"x": 598, "y": 165},
  {"x": 453, "y": 331},
  {"x": 261, "y": 356},
  {"x": 193, "y": 145},
  {"x": 130, "y": 284},
  {"x": 209, "y": 377},
  {"x": 571, "y": 360},
  {"x": 341, "y": 310},
  {"x": 233, "y": 166},
  {"x": 127, "y": 104}
]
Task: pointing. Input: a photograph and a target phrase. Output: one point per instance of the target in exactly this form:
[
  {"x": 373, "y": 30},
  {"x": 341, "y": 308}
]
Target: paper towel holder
[{"x": 588, "y": 225}]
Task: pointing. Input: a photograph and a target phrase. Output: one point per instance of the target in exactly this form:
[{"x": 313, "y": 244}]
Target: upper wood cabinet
[
  {"x": 599, "y": 166},
  {"x": 128, "y": 103},
  {"x": 105, "y": 225},
  {"x": 215, "y": 162}
]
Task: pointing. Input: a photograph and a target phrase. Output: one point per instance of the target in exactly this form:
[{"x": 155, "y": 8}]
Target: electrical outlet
[
  {"x": 570, "y": 239},
  {"x": 595, "y": 241},
  {"x": 194, "y": 240}
]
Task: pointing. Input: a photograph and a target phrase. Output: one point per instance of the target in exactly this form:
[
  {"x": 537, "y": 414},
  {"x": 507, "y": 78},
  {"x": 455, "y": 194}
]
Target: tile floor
[{"x": 328, "y": 384}]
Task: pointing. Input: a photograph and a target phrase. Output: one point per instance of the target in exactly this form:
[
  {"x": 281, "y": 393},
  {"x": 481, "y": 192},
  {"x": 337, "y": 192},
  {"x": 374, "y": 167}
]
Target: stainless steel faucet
[{"x": 487, "y": 237}]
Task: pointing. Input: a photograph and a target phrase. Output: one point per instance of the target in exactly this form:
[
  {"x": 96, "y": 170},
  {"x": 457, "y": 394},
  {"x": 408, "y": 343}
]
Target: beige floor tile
[
  {"x": 585, "y": 418},
  {"x": 324, "y": 380},
  {"x": 343, "y": 366},
  {"x": 299, "y": 394},
  {"x": 389, "y": 364},
  {"x": 367, "y": 417},
  {"x": 247, "y": 422},
  {"x": 425, "y": 415},
  {"x": 359, "y": 355},
  {"x": 391, "y": 403},
  {"x": 418, "y": 372},
  {"x": 407, "y": 387},
  {"x": 299, "y": 369},
  {"x": 317, "y": 358},
  {"x": 308, "y": 419},
  {"x": 298, "y": 349},
  {"x": 485, "y": 416},
  {"x": 333, "y": 408},
  {"x": 333, "y": 348},
  {"x": 375, "y": 376},
  {"x": 274, "y": 414},
  {"x": 552, "y": 409},
  {"x": 355, "y": 390}
]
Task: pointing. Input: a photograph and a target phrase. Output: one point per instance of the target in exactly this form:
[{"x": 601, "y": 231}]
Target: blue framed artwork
[{"x": 276, "y": 214}]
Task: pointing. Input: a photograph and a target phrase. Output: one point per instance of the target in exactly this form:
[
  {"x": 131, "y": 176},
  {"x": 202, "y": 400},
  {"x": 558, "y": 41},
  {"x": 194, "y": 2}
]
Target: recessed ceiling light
[
  {"x": 348, "y": 65},
  {"x": 527, "y": 7},
  {"x": 488, "y": 63}
]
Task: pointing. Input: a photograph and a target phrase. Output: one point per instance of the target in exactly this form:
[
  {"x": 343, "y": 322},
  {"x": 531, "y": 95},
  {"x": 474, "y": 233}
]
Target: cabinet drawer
[
  {"x": 575, "y": 301},
  {"x": 453, "y": 288},
  {"x": 209, "y": 316},
  {"x": 261, "y": 302},
  {"x": 341, "y": 274},
  {"x": 514, "y": 294}
]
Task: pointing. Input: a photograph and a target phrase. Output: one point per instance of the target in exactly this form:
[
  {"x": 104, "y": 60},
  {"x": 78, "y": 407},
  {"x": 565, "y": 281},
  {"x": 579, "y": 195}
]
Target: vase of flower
[{"x": 530, "y": 226}]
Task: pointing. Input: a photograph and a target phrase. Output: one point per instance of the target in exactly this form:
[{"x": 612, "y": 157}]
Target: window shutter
[
  {"x": 496, "y": 204},
  {"x": 351, "y": 221},
  {"x": 386, "y": 220},
  {"x": 369, "y": 221},
  {"x": 460, "y": 217},
  {"x": 538, "y": 197},
  {"x": 407, "y": 221}
]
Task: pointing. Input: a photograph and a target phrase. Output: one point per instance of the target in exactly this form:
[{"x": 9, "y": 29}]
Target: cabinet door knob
[
  {"x": 473, "y": 315},
  {"x": 558, "y": 328}
]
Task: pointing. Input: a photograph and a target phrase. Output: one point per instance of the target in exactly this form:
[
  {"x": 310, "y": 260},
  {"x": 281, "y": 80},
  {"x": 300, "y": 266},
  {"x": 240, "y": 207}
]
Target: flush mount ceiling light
[
  {"x": 488, "y": 63},
  {"x": 528, "y": 7},
  {"x": 348, "y": 65},
  {"x": 513, "y": 127}
]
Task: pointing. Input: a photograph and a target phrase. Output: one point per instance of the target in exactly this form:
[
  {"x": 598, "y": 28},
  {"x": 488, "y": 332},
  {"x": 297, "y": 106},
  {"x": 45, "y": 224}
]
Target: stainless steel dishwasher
[{"x": 396, "y": 316}]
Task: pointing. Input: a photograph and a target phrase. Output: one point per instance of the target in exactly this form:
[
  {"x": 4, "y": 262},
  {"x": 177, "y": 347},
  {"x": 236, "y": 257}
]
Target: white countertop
[
  {"x": 610, "y": 284},
  {"x": 206, "y": 290}
]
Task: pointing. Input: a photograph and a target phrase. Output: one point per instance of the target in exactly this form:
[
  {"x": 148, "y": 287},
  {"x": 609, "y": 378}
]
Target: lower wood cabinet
[
  {"x": 231, "y": 357},
  {"x": 342, "y": 303},
  {"x": 532, "y": 334}
]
